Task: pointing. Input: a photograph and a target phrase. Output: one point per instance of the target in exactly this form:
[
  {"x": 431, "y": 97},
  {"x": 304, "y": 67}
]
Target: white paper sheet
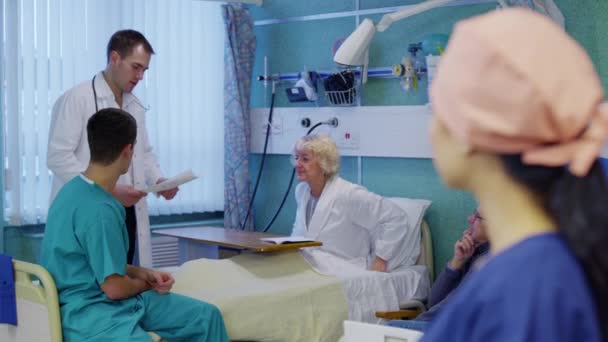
[
  {"x": 172, "y": 182},
  {"x": 286, "y": 239}
]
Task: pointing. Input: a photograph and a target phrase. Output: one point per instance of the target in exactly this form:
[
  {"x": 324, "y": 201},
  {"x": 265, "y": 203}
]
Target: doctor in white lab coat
[
  {"x": 129, "y": 55},
  {"x": 355, "y": 225}
]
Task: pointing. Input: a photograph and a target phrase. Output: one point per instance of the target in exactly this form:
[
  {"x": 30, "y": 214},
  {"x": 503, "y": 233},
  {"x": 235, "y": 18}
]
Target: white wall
[{"x": 379, "y": 131}]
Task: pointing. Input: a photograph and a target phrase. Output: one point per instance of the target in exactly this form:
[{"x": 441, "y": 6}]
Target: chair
[
  {"x": 365, "y": 332},
  {"x": 412, "y": 308},
  {"x": 37, "y": 303}
]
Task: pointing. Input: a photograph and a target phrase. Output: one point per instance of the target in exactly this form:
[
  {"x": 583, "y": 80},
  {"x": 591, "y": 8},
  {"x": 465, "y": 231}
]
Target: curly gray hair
[{"x": 324, "y": 149}]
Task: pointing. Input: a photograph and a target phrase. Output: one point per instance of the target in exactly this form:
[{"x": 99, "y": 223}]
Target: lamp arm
[{"x": 390, "y": 18}]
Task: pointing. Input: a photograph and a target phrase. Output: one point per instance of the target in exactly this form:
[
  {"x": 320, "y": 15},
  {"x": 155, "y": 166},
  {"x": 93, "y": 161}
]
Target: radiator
[{"x": 165, "y": 251}]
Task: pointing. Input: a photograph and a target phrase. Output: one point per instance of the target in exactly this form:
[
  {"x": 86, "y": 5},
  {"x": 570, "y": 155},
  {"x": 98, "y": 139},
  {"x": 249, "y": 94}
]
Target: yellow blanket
[{"x": 268, "y": 297}]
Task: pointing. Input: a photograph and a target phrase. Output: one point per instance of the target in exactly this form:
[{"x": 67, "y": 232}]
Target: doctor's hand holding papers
[
  {"x": 127, "y": 195},
  {"x": 168, "y": 188},
  {"x": 169, "y": 193}
]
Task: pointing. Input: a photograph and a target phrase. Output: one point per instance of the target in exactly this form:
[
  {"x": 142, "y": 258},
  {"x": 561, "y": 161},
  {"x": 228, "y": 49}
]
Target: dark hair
[
  {"x": 109, "y": 131},
  {"x": 578, "y": 206},
  {"x": 124, "y": 41}
]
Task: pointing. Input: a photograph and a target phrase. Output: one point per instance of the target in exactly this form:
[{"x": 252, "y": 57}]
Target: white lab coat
[
  {"x": 68, "y": 150},
  {"x": 355, "y": 225}
]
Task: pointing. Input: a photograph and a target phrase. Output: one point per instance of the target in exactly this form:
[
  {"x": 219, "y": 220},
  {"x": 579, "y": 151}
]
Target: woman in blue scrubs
[{"x": 519, "y": 121}]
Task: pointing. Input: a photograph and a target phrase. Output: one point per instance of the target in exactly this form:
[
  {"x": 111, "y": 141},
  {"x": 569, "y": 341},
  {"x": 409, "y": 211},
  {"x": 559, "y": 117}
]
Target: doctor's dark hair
[
  {"x": 324, "y": 149},
  {"x": 578, "y": 206},
  {"x": 125, "y": 41},
  {"x": 109, "y": 131}
]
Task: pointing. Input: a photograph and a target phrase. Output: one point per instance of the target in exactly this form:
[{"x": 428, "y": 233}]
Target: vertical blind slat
[
  {"x": 42, "y": 112},
  {"x": 27, "y": 103},
  {"x": 12, "y": 71}
]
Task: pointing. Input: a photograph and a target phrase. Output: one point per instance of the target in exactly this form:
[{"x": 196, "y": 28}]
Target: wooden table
[{"x": 212, "y": 242}]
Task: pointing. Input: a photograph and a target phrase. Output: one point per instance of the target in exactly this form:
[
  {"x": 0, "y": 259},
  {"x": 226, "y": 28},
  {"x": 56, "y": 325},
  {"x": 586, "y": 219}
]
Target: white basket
[{"x": 342, "y": 97}]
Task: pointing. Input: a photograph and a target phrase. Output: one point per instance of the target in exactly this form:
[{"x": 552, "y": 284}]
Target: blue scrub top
[
  {"x": 604, "y": 163},
  {"x": 534, "y": 291},
  {"x": 86, "y": 241}
]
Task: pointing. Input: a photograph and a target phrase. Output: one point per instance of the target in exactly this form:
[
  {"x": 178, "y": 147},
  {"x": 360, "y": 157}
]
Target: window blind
[{"x": 50, "y": 46}]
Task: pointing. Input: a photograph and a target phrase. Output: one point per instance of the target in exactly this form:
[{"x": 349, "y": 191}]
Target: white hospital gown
[{"x": 356, "y": 225}]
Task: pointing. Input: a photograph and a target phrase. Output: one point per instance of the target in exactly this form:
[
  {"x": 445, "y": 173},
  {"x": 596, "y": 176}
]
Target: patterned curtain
[{"x": 239, "y": 49}]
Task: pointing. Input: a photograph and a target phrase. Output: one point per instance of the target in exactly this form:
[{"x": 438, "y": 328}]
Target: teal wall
[
  {"x": 292, "y": 46},
  {"x": 587, "y": 22}
]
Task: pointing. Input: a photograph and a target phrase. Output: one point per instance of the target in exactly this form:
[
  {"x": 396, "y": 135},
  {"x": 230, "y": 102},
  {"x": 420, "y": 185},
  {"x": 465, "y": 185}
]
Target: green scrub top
[{"x": 86, "y": 241}]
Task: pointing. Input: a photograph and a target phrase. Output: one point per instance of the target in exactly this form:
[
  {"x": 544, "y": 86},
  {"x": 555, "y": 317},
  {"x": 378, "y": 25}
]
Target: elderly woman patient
[{"x": 358, "y": 228}]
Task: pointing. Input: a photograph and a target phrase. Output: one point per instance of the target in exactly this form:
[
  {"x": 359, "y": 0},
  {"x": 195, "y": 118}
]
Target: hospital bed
[
  {"x": 38, "y": 315},
  {"x": 411, "y": 308},
  {"x": 37, "y": 306},
  {"x": 39, "y": 318},
  {"x": 279, "y": 297}
]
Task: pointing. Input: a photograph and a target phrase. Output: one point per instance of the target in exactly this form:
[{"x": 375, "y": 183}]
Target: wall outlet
[
  {"x": 276, "y": 128},
  {"x": 348, "y": 139}
]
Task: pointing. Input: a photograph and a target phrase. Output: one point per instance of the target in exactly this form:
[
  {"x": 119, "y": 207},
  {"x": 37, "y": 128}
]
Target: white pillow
[{"x": 413, "y": 207}]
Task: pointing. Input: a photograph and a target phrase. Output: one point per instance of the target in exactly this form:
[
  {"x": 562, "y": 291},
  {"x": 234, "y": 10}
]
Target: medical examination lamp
[{"x": 354, "y": 51}]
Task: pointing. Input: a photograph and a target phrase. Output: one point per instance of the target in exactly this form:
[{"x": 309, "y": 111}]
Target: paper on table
[
  {"x": 172, "y": 182},
  {"x": 287, "y": 239}
]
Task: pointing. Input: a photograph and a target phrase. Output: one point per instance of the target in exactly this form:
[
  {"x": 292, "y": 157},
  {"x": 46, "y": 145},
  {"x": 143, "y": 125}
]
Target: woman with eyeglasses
[
  {"x": 519, "y": 122},
  {"x": 366, "y": 230}
]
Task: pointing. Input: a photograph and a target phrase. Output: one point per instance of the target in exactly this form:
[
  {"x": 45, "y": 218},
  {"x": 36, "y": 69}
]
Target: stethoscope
[
  {"x": 94, "y": 93},
  {"x": 95, "y": 97}
]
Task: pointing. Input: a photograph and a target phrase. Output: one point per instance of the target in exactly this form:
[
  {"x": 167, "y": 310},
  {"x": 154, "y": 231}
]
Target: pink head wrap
[{"x": 512, "y": 81}]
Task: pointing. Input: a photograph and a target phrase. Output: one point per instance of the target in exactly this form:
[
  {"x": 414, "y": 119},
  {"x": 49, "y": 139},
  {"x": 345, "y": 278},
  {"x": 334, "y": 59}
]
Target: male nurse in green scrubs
[{"x": 85, "y": 250}]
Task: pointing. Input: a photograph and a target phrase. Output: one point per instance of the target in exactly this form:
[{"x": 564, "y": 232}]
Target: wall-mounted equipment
[
  {"x": 421, "y": 57},
  {"x": 434, "y": 44},
  {"x": 355, "y": 49},
  {"x": 341, "y": 88},
  {"x": 305, "y": 88},
  {"x": 334, "y": 96},
  {"x": 407, "y": 72}
]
